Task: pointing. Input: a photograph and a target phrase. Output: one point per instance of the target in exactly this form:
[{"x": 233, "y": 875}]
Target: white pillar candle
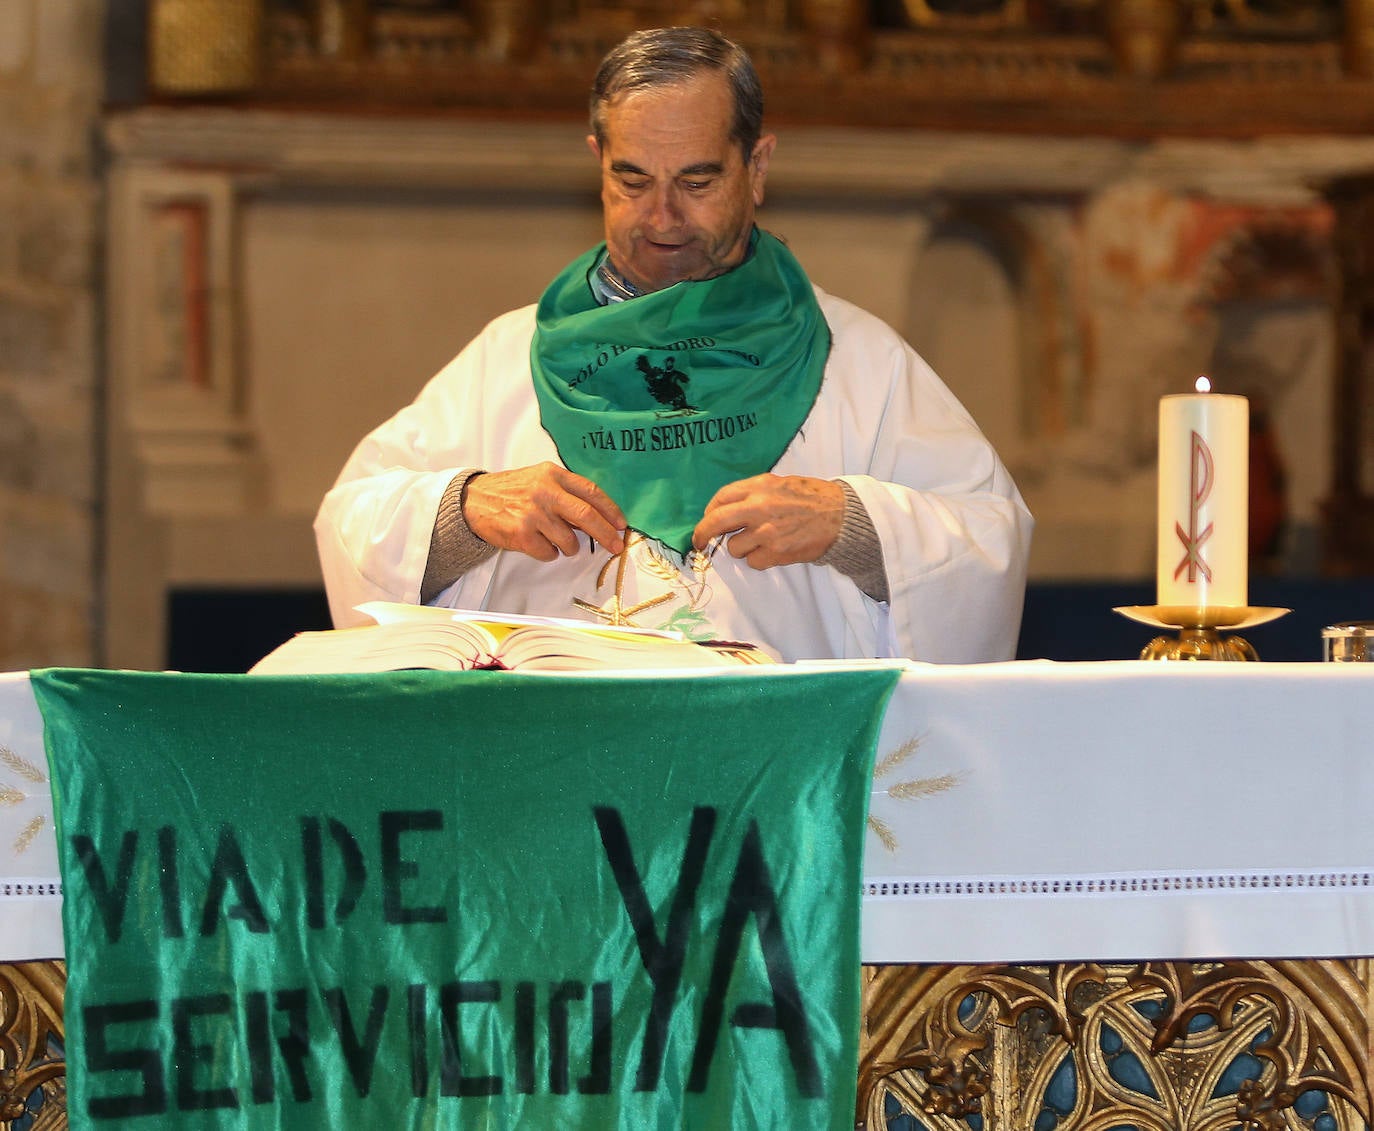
[{"x": 1204, "y": 494}]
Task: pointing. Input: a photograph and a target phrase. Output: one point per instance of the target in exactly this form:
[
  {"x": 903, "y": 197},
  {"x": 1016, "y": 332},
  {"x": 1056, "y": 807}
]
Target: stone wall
[{"x": 50, "y": 90}]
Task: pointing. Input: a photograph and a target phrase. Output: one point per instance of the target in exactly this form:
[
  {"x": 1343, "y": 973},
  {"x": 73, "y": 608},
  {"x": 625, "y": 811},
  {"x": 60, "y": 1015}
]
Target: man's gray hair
[{"x": 670, "y": 55}]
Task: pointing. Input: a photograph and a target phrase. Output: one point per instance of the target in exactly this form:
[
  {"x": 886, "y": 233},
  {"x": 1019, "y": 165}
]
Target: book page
[{"x": 388, "y": 612}]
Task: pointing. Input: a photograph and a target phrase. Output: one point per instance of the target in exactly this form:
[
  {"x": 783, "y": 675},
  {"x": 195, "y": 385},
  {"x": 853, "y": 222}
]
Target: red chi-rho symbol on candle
[{"x": 1199, "y": 487}]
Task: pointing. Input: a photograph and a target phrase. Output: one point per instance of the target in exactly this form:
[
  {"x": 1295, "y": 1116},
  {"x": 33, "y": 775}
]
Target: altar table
[
  {"x": 1069, "y": 867},
  {"x": 1024, "y": 812}
]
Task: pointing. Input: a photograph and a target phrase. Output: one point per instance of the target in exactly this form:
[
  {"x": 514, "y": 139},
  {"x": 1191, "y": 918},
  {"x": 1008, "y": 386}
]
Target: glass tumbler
[{"x": 1349, "y": 641}]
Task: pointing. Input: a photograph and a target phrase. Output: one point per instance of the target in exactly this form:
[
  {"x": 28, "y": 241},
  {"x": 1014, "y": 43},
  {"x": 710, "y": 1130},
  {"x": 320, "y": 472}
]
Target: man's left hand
[{"x": 775, "y": 519}]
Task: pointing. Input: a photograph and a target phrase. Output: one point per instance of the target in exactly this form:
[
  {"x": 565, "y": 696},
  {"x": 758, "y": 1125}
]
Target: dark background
[{"x": 229, "y": 630}]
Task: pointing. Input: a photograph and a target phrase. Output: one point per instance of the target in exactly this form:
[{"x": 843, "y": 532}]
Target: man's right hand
[{"x": 538, "y": 511}]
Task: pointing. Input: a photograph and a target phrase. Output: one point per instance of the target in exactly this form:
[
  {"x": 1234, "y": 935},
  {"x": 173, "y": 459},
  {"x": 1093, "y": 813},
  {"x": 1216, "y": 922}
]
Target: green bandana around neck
[{"x": 663, "y": 399}]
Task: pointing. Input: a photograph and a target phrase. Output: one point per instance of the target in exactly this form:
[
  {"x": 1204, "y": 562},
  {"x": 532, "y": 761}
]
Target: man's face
[{"x": 678, "y": 197}]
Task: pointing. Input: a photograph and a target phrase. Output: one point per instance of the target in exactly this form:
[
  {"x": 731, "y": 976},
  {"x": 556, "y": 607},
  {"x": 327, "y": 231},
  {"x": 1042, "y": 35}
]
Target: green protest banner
[{"x": 462, "y": 900}]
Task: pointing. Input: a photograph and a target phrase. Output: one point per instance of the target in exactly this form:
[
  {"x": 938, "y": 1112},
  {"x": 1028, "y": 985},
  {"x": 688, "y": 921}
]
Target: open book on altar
[{"x": 420, "y": 636}]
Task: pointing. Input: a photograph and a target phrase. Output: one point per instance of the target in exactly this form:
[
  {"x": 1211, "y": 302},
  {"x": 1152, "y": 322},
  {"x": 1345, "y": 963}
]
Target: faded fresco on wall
[{"x": 1115, "y": 301}]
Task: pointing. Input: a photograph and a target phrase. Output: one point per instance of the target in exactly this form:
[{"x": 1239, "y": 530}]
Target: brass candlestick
[{"x": 1199, "y": 635}]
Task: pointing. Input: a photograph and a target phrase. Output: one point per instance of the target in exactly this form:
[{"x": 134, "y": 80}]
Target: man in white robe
[{"x": 684, "y": 433}]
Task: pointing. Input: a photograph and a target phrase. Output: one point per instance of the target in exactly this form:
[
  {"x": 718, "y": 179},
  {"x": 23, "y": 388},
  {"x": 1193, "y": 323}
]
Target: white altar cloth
[{"x": 1025, "y": 812}]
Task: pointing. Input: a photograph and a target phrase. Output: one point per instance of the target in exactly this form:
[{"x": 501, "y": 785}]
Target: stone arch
[{"x": 983, "y": 311}]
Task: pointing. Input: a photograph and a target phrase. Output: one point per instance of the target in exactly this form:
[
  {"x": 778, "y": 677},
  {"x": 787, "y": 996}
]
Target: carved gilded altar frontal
[{"x": 1160, "y": 1046}]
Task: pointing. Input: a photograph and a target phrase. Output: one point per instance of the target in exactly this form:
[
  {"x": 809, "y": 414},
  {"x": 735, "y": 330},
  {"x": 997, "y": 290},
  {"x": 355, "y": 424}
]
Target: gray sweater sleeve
[
  {"x": 453, "y": 547},
  {"x": 857, "y": 553}
]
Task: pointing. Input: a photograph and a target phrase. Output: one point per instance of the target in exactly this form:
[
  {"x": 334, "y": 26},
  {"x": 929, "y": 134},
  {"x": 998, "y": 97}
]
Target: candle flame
[{"x": 1203, "y": 384}]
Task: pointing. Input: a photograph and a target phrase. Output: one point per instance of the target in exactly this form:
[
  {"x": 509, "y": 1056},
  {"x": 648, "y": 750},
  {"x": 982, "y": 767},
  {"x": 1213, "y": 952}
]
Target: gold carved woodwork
[
  {"x": 1158, "y": 1046},
  {"x": 33, "y": 1065},
  {"x": 1231, "y": 68},
  {"x": 201, "y": 47},
  {"x": 1144, "y": 35},
  {"x": 1357, "y": 42}
]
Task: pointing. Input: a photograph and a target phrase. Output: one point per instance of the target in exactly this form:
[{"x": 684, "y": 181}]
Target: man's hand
[
  {"x": 776, "y": 519},
  {"x": 538, "y": 511}
]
